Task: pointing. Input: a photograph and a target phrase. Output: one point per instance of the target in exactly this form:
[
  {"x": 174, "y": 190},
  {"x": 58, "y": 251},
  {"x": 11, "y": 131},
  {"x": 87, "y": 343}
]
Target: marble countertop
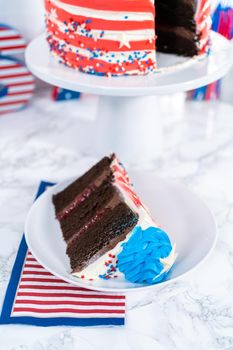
[{"x": 194, "y": 313}]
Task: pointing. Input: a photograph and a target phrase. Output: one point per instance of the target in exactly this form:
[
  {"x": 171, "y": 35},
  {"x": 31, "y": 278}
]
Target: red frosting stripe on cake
[
  {"x": 101, "y": 44},
  {"x": 98, "y": 23},
  {"x": 203, "y": 11},
  {"x": 203, "y": 25},
  {"x": 117, "y": 5}
]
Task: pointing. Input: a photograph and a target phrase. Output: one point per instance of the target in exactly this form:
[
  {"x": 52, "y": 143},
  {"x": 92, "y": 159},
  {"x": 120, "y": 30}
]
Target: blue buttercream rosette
[{"x": 140, "y": 257}]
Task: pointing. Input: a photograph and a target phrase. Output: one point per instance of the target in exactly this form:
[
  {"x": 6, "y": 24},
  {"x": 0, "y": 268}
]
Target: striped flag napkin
[
  {"x": 11, "y": 40},
  {"x": 34, "y": 296},
  {"x": 19, "y": 84}
]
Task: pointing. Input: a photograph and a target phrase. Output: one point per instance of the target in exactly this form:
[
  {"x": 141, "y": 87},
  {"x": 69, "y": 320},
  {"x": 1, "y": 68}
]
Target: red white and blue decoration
[
  {"x": 3, "y": 90},
  {"x": 222, "y": 23},
  {"x": 17, "y": 84},
  {"x": 223, "y": 20},
  {"x": 59, "y": 94},
  {"x": 207, "y": 93},
  {"x": 11, "y": 41}
]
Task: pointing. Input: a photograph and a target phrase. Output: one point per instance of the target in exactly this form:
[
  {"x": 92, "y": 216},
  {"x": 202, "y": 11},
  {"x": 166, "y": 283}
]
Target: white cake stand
[{"x": 129, "y": 120}]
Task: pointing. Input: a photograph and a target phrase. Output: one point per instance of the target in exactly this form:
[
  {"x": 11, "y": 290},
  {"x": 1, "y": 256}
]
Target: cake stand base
[{"x": 133, "y": 131}]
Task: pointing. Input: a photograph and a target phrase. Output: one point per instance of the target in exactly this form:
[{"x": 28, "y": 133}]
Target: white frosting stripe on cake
[
  {"x": 108, "y": 15},
  {"x": 206, "y": 6}
]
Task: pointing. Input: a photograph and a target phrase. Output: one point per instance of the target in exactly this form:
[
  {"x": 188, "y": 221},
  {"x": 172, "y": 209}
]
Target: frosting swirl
[{"x": 143, "y": 256}]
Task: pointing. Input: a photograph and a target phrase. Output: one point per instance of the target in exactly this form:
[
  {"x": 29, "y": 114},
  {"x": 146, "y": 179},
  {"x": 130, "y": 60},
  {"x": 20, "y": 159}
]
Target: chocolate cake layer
[
  {"x": 111, "y": 227},
  {"x": 177, "y": 40},
  {"x": 62, "y": 199},
  {"x": 176, "y": 21},
  {"x": 83, "y": 212},
  {"x": 176, "y": 27},
  {"x": 175, "y": 8}
]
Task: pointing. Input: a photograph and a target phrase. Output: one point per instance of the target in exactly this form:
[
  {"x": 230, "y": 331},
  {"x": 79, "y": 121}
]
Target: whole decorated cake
[
  {"x": 120, "y": 37},
  {"x": 108, "y": 230}
]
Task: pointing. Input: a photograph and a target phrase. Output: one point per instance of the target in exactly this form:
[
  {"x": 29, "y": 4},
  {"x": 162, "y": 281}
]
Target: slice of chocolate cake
[
  {"x": 108, "y": 231},
  {"x": 93, "y": 214}
]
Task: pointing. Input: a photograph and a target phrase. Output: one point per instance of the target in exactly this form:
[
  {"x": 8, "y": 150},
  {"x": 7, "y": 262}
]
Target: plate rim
[{"x": 123, "y": 290}]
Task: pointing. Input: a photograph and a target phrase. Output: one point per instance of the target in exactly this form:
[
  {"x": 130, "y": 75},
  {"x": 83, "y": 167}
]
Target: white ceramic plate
[{"x": 182, "y": 214}]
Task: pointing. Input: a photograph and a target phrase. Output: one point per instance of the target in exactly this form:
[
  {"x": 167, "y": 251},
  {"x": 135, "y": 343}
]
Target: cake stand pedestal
[
  {"x": 128, "y": 118},
  {"x": 129, "y": 126}
]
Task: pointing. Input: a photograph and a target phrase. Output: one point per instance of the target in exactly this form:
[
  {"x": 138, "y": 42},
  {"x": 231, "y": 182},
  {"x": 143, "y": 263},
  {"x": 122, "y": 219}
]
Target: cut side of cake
[
  {"x": 93, "y": 215},
  {"x": 120, "y": 37},
  {"x": 109, "y": 233},
  {"x": 183, "y": 26}
]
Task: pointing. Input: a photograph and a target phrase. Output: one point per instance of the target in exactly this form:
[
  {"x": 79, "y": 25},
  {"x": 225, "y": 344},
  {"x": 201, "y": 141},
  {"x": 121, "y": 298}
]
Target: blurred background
[{"x": 27, "y": 17}]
